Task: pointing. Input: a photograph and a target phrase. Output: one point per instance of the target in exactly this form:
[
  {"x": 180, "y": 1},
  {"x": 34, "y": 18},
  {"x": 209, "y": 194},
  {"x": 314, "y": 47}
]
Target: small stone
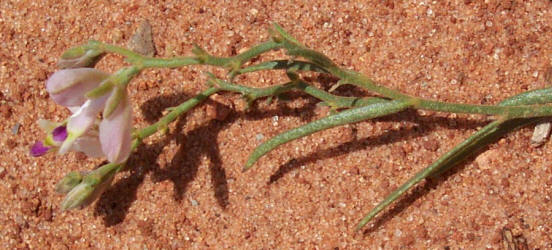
[
  {"x": 15, "y": 128},
  {"x": 142, "y": 40},
  {"x": 275, "y": 120},
  {"x": 511, "y": 241},
  {"x": 540, "y": 134},
  {"x": 485, "y": 160},
  {"x": 116, "y": 35}
]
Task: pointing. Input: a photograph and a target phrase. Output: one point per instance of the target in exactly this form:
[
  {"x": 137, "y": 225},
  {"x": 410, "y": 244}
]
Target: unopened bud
[
  {"x": 69, "y": 182},
  {"x": 79, "y": 57},
  {"x": 90, "y": 188},
  {"x": 86, "y": 192}
]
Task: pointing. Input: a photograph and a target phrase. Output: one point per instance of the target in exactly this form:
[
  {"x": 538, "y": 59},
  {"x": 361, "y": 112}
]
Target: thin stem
[
  {"x": 255, "y": 93},
  {"x": 474, "y": 143},
  {"x": 282, "y": 64},
  {"x": 334, "y": 101},
  {"x": 201, "y": 57},
  {"x": 294, "y": 48},
  {"x": 171, "y": 116},
  {"x": 108, "y": 168},
  {"x": 468, "y": 147}
]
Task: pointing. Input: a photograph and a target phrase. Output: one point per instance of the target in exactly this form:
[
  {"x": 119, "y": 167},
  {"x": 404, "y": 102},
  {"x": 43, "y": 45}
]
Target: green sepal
[
  {"x": 113, "y": 101},
  {"x": 68, "y": 182},
  {"x": 101, "y": 90},
  {"x": 74, "y": 52}
]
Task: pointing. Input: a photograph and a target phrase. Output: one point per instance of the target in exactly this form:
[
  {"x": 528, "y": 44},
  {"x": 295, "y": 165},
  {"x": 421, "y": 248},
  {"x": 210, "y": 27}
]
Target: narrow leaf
[{"x": 344, "y": 117}]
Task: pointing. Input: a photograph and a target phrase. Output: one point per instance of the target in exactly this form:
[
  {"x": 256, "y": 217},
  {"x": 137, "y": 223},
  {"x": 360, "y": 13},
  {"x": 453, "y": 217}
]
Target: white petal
[
  {"x": 89, "y": 145},
  {"x": 67, "y": 87},
  {"x": 116, "y": 132},
  {"x": 82, "y": 120}
]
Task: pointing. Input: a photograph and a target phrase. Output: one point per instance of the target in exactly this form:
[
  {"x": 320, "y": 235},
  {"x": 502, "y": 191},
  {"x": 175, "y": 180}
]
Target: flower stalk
[{"x": 88, "y": 92}]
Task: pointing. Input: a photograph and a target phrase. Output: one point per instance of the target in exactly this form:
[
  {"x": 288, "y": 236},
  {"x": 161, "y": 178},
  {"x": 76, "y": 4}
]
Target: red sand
[{"x": 186, "y": 190}]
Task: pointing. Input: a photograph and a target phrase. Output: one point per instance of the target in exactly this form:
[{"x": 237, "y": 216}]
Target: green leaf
[{"x": 344, "y": 117}]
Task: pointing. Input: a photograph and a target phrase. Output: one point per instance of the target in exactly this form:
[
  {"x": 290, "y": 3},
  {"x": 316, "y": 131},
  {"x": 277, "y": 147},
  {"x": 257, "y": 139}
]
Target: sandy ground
[{"x": 186, "y": 190}]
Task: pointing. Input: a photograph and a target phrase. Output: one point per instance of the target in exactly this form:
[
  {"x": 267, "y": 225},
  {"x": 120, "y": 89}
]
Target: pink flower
[{"x": 68, "y": 88}]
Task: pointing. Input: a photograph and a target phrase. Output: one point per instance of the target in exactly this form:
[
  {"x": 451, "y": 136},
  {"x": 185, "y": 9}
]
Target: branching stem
[{"x": 512, "y": 113}]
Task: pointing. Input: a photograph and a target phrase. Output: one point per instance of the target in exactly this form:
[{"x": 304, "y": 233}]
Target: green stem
[
  {"x": 334, "y": 101},
  {"x": 282, "y": 64},
  {"x": 509, "y": 112},
  {"x": 107, "y": 169},
  {"x": 468, "y": 147},
  {"x": 201, "y": 57},
  {"x": 162, "y": 123},
  {"x": 171, "y": 116},
  {"x": 294, "y": 48}
]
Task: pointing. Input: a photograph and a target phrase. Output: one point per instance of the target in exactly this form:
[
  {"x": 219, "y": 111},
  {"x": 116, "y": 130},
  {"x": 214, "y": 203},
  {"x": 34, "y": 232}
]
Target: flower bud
[
  {"x": 79, "y": 57},
  {"x": 90, "y": 188},
  {"x": 69, "y": 182}
]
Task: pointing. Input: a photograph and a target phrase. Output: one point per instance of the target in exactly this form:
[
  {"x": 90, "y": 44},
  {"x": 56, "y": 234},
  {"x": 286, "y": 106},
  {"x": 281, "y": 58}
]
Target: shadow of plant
[
  {"x": 183, "y": 167},
  {"x": 112, "y": 205},
  {"x": 417, "y": 192},
  {"x": 424, "y": 125},
  {"x": 199, "y": 142}
]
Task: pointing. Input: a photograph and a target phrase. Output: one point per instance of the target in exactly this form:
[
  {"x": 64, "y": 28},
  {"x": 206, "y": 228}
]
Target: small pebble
[
  {"x": 275, "y": 120},
  {"x": 15, "y": 128},
  {"x": 540, "y": 134},
  {"x": 142, "y": 40}
]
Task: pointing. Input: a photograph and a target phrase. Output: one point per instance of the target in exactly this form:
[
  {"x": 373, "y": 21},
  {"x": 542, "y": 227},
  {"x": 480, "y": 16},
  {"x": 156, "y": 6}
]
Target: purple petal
[
  {"x": 59, "y": 133},
  {"x": 116, "y": 132},
  {"x": 38, "y": 149},
  {"x": 67, "y": 87}
]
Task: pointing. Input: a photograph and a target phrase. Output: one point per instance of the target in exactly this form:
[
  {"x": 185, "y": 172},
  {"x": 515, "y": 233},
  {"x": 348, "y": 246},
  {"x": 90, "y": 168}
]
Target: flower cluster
[
  {"x": 100, "y": 124},
  {"x": 84, "y": 131}
]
